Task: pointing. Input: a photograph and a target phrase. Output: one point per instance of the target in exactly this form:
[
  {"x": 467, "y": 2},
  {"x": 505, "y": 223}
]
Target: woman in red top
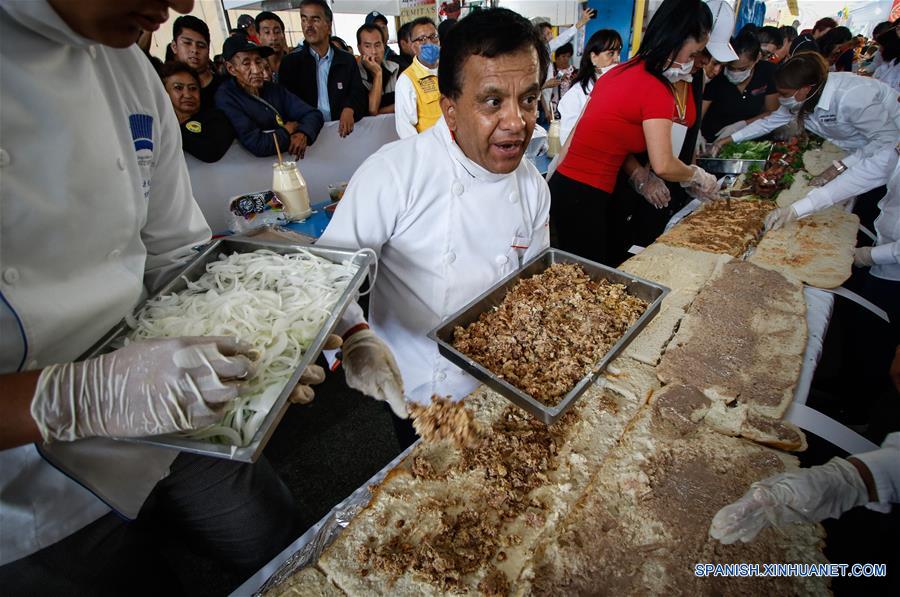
[{"x": 632, "y": 109}]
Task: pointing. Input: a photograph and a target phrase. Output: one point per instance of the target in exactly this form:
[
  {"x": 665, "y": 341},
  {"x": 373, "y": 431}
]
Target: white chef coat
[
  {"x": 95, "y": 200},
  {"x": 444, "y": 234},
  {"x": 886, "y": 252},
  {"x": 858, "y": 114},
  {"x": 889, "y": 74},
  {"x": 406, "y": 110},
  {"x": 884, "y": 464},
  {"x": 570, "y": 107}
]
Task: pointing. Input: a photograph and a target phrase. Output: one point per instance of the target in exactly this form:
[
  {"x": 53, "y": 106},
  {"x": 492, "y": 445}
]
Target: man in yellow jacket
[{"x": 417, "y": 97}]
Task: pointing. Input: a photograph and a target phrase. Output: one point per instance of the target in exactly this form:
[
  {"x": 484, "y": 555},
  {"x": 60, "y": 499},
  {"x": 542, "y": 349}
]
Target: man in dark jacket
[
  {"x": 321, "y": 75},
  {"x": 256, "y": 107}
]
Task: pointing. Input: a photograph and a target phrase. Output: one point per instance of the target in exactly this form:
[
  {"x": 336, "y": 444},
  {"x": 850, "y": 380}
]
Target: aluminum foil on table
[{"x": 306, "y": 550}]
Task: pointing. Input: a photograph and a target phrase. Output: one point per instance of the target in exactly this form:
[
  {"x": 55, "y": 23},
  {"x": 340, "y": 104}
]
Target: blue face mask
[{"x": 429, "y": 54}]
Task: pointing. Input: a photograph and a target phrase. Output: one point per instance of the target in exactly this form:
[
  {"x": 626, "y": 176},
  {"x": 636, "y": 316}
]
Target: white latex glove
[
  {"x": 779, "y": 217},
  {"x": 731, "y": 129},
  {"x": 805, "y": 495},
  {"x": 147, "y": 388},
  {"x": 313, "y": 375},
  {"x": 703, "y": 184},
  {"x": 862, "y": 257},
  {"x": 650, "y": 187},
  {"x": 370, "y": 367}
]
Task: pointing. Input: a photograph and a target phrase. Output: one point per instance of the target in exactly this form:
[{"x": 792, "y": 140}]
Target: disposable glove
[
  {"x": 147, "y": 388},
  {"x": 370, "y": 367},
  {"x": 313, "y": 375},
  {"x": 862, "y": 257},
  {"x": 650, "y": 187},
  {"x": 827, "y": 175},
  {"x": 780, "y": 217},
  {"x": 805, "y": 495},
  {"x": 731, "y": 129},
  {"x": 702, "y": 184}
]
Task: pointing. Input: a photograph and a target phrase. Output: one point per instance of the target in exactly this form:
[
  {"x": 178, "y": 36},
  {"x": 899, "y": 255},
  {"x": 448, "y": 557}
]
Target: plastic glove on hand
[
  {"x": 780, "y": 217},
  {"x": 862, "y": 257},
  {"x": 313, "y": 375},
  {"x": 702, "y": 184},
  {"x": 650, "y": 187},
  {"x": 826, "y": 176},
  {"x": 731, "y": 129},
  {"x": 147, "y": 388},
  {"x": 805, "y": 495},
  {"x": 370, "y": 367}
]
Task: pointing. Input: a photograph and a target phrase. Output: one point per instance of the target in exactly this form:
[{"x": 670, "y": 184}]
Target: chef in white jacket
[
  {"x": 451, "y": 211},
  {"x": 858, "y": 114},
  {"x": 97, "y": 209}
]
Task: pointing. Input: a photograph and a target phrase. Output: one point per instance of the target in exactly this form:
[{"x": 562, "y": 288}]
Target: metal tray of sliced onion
[{"x": 283, "y": 298}]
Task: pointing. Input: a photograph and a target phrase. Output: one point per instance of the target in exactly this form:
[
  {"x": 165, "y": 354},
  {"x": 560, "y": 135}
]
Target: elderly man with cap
[
  {"x": 256, "y": 107},
  {"x": 446, "y": 233}
]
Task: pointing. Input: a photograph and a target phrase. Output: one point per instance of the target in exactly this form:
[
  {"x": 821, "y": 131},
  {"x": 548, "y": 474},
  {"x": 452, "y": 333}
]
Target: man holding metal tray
[
  {"x": 97, "y": 209},
  {"x": 450, "y": 212}
]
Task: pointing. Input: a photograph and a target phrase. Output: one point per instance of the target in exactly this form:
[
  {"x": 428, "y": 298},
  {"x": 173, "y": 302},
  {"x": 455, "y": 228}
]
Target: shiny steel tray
[
  {"x": 644, "y": 289},
  {"x": 195, "y": 269},
  {"x": 730, "y": 165}
]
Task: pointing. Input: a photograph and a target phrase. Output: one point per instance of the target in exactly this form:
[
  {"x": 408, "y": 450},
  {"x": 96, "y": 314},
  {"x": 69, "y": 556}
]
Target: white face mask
[
  {"x": 736, "y": 77},
  {"x": 791, "y": 103},
  {"x": 606, "y": 69},
  {"x": 679, "y": 72}
]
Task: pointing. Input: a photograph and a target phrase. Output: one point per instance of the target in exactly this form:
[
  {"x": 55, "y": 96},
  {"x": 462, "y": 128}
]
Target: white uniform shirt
[
  {"x": 570, "y": 107},
  {"x": 886, "y": 252},
  {"x": 884, "y": 464},
  {"x": 445, "y": 230},
  {"x": 889, "y": 74},
  {"x": 406, "y": 110},
  {"x": 858, "y": 114},
  {"x": 95, "y": 199}
]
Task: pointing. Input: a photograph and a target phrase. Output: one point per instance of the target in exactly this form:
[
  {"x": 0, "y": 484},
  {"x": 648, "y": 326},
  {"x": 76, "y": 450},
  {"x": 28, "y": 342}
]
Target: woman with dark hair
[
  {"x": 205, "y": 134},
  {"x": 633, "y": 109},
  {"x": 888, "y": 71},
  {"x": 858, "y": 114},
  {"x": 744, "y": 92},
  {"x": 600, "y": 55},
  {"x": 837, "y": 49}
]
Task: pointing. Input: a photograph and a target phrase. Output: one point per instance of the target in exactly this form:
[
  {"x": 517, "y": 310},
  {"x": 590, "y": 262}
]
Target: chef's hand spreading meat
[
  {"x": 147, "y": 388},
  {"x": 650, "y": 187},
  {"x": 702, "y": 184},
  {"x": 805, "y": 495},
  {"x": 370, "y": 367},
  {"x": 313, "y": 375},
  {"x": 780, "y": 217}
]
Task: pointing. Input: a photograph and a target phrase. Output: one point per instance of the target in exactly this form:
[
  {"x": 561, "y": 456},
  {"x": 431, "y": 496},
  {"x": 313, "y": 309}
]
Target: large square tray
[
  {"x": 195, "y": 269},
  {"x": 644, "y": 289}
]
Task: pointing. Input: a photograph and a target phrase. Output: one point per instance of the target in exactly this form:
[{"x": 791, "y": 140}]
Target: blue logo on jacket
[{"x": 141, "y": 131}]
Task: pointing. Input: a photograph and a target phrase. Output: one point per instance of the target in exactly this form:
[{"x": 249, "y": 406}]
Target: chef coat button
[
  {"x": 114, "y": 254},
  {"x": 121, "y": 163},
  {"x": 502, "y": 259},
  {"x": 440, "y": 376},
  {"x": 513, "y": 197},
  {"x": 449, "y": 257},
  {"x": 457, "y": 188},
  {"x": 11, "y": 275},
  {"x": 4, "y": 158}
]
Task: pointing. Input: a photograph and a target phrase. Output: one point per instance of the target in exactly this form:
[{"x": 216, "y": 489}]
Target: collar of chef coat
[
  {"x": 831, "y": 86},
  {"x": 40, "y": 17},
  {"x": 475, "y": 170}
]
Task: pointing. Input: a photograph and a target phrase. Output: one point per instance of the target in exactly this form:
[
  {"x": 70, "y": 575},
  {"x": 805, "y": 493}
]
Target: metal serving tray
[
  {"x": 730, "y": 166},
  {"x": 644, "y": 289},
  {"x": 195, "y": 269}
]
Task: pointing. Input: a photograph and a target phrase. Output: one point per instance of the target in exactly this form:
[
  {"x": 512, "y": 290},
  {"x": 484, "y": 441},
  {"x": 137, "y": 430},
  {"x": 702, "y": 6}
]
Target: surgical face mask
[
  {"x": 791, "y": 103},
  {"x": 606, "y": 69},
  {"x": 679, "y": 72},
  {"x": 736, "y": 77},
  {"x": 430, "y": 54}
]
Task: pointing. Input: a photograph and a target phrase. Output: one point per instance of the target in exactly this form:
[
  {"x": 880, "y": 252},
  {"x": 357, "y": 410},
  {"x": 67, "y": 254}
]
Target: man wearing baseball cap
[
  {"x": 380, "y": 21},
  {"x": 256, "y": 107}
]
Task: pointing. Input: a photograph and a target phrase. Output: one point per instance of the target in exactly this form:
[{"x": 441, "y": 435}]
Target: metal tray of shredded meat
[
  {"x": 196, "y": 268},
  {"x": 646, "y": 290}
]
